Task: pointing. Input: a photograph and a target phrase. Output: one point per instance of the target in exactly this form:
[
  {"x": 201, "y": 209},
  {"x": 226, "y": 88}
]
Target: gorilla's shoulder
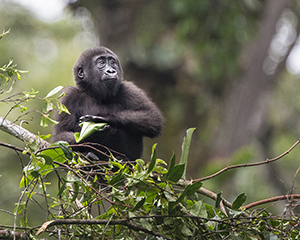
[
  {"x": 73, "y": 95},
  {"x": 131, "y": 88},
  {"x": 71, "y": 90},
  {"x": 75, "y": 92}
]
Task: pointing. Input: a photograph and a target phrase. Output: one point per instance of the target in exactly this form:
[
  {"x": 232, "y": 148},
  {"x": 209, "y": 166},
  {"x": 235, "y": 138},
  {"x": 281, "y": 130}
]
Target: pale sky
[{"x": 46, "y": 10}]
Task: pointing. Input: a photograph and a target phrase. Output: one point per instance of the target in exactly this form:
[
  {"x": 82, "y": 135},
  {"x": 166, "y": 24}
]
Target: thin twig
[
  {"x": 248, "y": 164},
  {"x": 12, "y": 147},
  {"x": 269, "y": 200}
]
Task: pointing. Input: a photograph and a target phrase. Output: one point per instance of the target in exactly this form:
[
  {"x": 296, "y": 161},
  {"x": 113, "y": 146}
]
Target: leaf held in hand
[{"x": 87, "y": 129}]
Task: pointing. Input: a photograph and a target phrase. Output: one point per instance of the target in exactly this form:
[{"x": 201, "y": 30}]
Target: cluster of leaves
[
  {"x": 137, "y": 199},
  {"x": 9, "y": 74}
]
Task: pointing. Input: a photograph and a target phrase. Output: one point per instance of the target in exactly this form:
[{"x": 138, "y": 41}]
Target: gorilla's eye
[{"x": 101, "y": 63}]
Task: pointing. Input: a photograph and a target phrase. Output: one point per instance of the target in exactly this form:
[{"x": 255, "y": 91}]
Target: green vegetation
[
  {"x": 119, "y": 200},
  {"x": 220, "y": 67}
]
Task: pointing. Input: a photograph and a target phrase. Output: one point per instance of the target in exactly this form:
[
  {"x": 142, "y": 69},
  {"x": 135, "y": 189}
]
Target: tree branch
[
  {"x": 11, "y": 147},
  {"x": 269, "y": 200},
  {"x": 248, "y": 164},
  {"x": 8, "y": 234},
  {"x": 124, "y": 222},
  {"x": 21, "y": 133}
]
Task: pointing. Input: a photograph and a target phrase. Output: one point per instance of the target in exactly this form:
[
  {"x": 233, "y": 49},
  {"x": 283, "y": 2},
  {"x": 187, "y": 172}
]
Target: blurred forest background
[{"x": 229, "y": 68}]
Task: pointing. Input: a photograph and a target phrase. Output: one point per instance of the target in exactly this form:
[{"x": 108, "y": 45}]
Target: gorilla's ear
[{"x": 80, "y": 73}]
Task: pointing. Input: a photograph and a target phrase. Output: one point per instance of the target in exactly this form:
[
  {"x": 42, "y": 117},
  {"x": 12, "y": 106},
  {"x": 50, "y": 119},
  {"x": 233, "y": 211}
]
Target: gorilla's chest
[{"x": 102, "y": 109}]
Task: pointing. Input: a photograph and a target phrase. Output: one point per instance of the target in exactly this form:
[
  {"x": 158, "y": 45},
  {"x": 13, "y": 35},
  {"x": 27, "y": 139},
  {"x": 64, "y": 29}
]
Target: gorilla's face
[
  {"x": 107, "y": 68},
  {"x": 98, "y": 71}
]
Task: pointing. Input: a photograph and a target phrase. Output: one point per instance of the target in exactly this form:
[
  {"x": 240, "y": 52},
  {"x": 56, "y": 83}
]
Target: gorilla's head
[{"x": 98, "y": 71}]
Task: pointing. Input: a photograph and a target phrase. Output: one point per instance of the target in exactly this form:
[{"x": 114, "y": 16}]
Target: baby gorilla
[{"x": 101, "y": 95}]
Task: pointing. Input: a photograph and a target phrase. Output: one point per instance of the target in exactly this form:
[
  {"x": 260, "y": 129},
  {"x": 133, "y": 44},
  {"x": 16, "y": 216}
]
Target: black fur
[{"x": 101, "y": 92}]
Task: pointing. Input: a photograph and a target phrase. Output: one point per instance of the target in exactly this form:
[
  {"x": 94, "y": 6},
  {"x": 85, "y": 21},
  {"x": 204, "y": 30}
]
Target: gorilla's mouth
[{"x": 108, "y": 78}]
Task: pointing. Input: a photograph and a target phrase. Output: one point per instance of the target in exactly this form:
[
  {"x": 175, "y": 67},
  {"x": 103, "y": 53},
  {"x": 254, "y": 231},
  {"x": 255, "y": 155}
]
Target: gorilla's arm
[
  {"x": 134, "y": 112},
  {"x": 139, "y": 113},
  {"x": 60, "y": 132}
]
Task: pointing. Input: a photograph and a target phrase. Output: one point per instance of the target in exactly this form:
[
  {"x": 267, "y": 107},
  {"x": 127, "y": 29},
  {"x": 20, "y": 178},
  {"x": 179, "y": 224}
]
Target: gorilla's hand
[
  {"x": 92, "y": 118},
  {"x": 96, "y": 119}
]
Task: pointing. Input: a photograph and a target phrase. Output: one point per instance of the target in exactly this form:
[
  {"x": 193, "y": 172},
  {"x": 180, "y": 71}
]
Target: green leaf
[
  {"x": 48, "y": 107},
  {"x": 31, "y": 94},
  {"x": 19, "y": 207},
  {"x": 138, "y": 205},
  {"x": 44, "y": 122},
  {"x": 146, "y": 224},
  {"x": 188, "y": 191},
  {"x": 19, "y": 77},
  {"x": 218, "y": 200},
  {"x": 199, "y": 209},
  {"x": 63, "y": 187},
  {"x": 4, "y": 33},
  {"x": 174, "y": 172},
  {"x": 22, "y": 108},
  {"x": 67, "y": 151},
  {"x": 117, "y": 164},
  {"x": 62, "y": 108},
  {"x": 35, "y": 174},
  {"x": 54, "y": 91},
  {"x": 172, "y": 164},
  {"x": 11, "y": 86},
  {"x": 87, "y": 129},
  {"x": 45, "y": 119},
  {"x": 191, "y": 189},
  {"x": 45, "y": 136},
  {"x": 117, "y": 180},
  {"x": 76, "y": 190},
  {"x": 153, "y": 158},
  {"x": 238, "y": 202},
  {"x": 48, "y": 160},
  {"x": 186, "y": 231},
  {"x": 23, "y": 181},
  {"x": 52, "y": 121},
  {"x": 56, "y": 154},
  {"x": 177, "y": 173},
  {"x": 186, "y": 148}
]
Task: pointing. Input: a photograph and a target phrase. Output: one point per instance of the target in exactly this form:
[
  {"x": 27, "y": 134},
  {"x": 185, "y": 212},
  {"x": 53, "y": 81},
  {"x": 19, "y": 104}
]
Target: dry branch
[
  {"x": 124, "y": 222},
  {"x": 273, "y": 199},
  {"x": 8, "y": 234},
  {"x": 249, "y": 164},
  {"x": 21, "y": 133}
]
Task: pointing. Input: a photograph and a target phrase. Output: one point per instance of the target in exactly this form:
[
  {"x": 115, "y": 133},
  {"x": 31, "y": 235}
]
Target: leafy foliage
[
  {"x": 136, "y": 199},
  {"x": 8, "y": 76}
]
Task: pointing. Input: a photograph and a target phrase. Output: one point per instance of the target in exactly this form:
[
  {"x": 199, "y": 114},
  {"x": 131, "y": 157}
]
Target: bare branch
[
  {"x": 21, "y": 133},
  {"x": 273, "y": 199},
  {"x": 248, "y": 164},
  {"x": 124, "y": 222},
  {"x": 11, "y": 147},
  {"x": 7, "y": 234}
]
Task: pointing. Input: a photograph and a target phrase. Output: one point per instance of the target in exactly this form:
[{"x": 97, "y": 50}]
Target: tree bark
[
  {"x": 246, "y": 103},
  {"x": 21, "y": 133}
]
